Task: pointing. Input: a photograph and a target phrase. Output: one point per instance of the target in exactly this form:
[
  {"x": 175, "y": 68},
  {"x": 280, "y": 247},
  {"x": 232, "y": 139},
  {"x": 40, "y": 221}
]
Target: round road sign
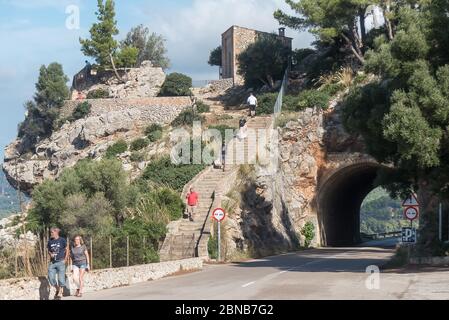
[
  {"x": 411, "y": 213},
  {"x": 219, "y": 214}
]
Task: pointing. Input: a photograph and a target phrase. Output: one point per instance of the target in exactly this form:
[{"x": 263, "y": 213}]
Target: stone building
[{"x": 236, "y": 40}]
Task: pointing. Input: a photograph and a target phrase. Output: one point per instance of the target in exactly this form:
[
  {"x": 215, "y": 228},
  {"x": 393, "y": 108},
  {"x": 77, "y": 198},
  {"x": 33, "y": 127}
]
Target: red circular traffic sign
[
  {"x": 219, "y": 214},
  {"x": 411, "y": 213}
]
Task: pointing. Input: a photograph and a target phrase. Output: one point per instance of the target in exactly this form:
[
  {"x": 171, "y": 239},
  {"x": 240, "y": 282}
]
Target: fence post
[
  {"x": 127, "y": 251},
  {"x": 143, "y": 255},
  {"x": 91, "y": 254},
  {"x": 110, "y": 252}
]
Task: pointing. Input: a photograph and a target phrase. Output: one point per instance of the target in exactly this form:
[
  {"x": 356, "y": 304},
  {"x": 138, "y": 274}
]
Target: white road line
[{"x": 248, "y": 284}]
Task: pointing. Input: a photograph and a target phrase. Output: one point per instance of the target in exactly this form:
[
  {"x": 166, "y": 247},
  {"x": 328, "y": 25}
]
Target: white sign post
[{"x": 219, "y": 215}]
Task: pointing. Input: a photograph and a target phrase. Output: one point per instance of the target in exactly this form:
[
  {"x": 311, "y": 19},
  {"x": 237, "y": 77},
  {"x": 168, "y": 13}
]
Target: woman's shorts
[{"x": 82, "y": 266}]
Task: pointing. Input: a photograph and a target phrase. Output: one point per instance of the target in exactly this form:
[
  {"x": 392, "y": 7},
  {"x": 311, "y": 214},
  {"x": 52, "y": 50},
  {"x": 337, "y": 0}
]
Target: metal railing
[
  {"x": 282, "y": 91},
  {"x": 31, "y": 258},
  {"x": 382, "y": 235}
]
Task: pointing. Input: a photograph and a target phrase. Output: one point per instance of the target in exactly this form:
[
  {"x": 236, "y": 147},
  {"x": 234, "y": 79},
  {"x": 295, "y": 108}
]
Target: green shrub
[
  {"x": 117, "y": 148},
  {"x": 137, "y": 156},
  {"x": 164, "y": 172},
  {"x": 186, "y": 118},
  {"x": 176, "y": 85},
  {"x": 152, "y": 128},
  {"x": 300, "y": 54},
  {"x": 201, "y": 107},
  {"x": 82, "y": 110},
  {"x": 171, "y": 201},
  {"x": 332, "y": 89},
  {"x": 290, "y": 103},
  {"x": 268, "y": 100},
  {"x": 98, "y": 94},
  {"x": 151, "y": 255},
  {"x": 266, "y": 103},
  {"x": 212, "y": 247},
  {"x": 139, "y": 144},
  {"x": 312, "y": 99},
  {"x": 155, "y": 136},
  {"x": 308, "y": 231}
]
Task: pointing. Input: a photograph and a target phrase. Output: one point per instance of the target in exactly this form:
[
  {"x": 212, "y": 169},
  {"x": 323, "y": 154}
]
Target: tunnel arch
[{"x": 340, "y": 197}]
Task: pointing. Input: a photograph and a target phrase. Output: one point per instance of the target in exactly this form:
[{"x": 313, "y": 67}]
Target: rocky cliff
[
  {"x": 142, "y": 82},
  {"x": 270, "y": 207},
  {"x": 109, "y": 121}
]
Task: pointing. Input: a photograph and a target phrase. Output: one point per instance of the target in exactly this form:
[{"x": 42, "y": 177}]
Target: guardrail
[{"x": 382, "y": 235}]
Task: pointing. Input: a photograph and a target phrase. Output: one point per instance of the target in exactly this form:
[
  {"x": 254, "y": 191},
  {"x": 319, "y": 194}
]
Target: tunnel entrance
[{"x": 339, "y": 201}]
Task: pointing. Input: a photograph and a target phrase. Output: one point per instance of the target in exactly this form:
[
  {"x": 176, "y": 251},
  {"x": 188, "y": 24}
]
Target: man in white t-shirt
[{"x": 252, "y": 102}]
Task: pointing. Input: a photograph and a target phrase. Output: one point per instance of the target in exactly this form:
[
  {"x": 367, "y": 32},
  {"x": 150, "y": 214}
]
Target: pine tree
[
  {"x": 404, "y": 116},
  {"x": 102, "y": 46},
  {"x": 42, "y": 113}
]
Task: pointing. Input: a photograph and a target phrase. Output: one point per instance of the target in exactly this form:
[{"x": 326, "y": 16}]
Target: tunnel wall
[{"x": 339, "y": 200}]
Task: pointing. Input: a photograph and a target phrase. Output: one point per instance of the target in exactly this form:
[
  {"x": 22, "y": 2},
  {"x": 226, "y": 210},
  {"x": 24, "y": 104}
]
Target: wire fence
[
  {"x": 282, "y": 92},
  {"x": 31, "y": 258}
]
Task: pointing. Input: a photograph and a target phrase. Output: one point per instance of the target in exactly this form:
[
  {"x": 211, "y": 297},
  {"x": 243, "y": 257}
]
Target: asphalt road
[{"x": 329, "y": 273}]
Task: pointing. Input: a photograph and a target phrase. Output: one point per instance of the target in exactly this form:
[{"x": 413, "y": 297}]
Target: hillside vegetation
[{"x": 380, "y": 213}]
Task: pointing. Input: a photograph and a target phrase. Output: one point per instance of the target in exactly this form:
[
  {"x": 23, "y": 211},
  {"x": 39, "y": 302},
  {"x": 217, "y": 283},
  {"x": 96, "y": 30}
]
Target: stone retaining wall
[
  {"x": 38, "y": 288},
  {"x": 101, "y": 106}
]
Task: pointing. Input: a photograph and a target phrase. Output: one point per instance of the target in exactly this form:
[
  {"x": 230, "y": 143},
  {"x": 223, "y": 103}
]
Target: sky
[{"x": 37, "y": 32}]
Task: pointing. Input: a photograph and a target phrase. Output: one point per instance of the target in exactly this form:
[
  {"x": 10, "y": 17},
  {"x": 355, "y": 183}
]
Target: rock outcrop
[
  {"x": 142, "y": 82},
  {"x": 87, "y": 138}
]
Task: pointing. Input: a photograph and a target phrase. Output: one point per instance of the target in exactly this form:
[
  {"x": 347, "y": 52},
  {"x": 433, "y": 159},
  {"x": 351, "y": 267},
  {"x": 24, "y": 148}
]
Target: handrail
[
  {"x": 278, "y": 105},
  {"x": 205, "y": 223}
]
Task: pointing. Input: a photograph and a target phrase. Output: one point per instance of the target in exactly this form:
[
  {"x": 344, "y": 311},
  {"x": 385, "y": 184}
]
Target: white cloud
[{"x": 191, "y": 32}]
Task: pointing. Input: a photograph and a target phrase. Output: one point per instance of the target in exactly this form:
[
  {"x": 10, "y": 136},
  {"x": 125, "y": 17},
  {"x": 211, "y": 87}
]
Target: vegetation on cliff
[
  {"x": 264, "y": 61},
  {"x": 43, "y": 112}
]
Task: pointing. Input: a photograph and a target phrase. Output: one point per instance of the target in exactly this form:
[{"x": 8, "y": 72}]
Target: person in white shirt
[{"x": 252, "y": 102}]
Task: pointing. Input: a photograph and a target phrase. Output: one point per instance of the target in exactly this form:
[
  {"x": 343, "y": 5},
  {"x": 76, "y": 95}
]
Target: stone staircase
[{"x": 187, "y": 239}]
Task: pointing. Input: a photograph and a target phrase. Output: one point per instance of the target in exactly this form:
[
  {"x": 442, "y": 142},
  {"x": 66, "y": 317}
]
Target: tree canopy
[
  {"x": 264, "y": 61},
  {"x": 42, "y": 112},
  {"x": 102, "y": 45},
  {"x": 150, "y": 46},
  {"x": 334, "y": 20},
  {"x": 404, "y": 115},
  {"x": 215, "y": 57}
]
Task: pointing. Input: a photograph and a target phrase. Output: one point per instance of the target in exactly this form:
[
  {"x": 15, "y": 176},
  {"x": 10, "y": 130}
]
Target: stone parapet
[{"x": 37, "y": 288}]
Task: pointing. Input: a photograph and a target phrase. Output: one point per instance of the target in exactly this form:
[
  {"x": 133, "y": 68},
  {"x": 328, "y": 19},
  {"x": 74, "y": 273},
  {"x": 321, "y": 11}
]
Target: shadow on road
[{"x": 355, "y": 259}]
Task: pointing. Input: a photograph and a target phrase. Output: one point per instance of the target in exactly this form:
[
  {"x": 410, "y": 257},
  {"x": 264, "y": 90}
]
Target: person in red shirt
[{"x": 192, "y": 202}]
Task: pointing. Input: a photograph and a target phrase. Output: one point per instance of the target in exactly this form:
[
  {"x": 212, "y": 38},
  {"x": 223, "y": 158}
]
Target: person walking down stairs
[{"x": 192, "y": 203}]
